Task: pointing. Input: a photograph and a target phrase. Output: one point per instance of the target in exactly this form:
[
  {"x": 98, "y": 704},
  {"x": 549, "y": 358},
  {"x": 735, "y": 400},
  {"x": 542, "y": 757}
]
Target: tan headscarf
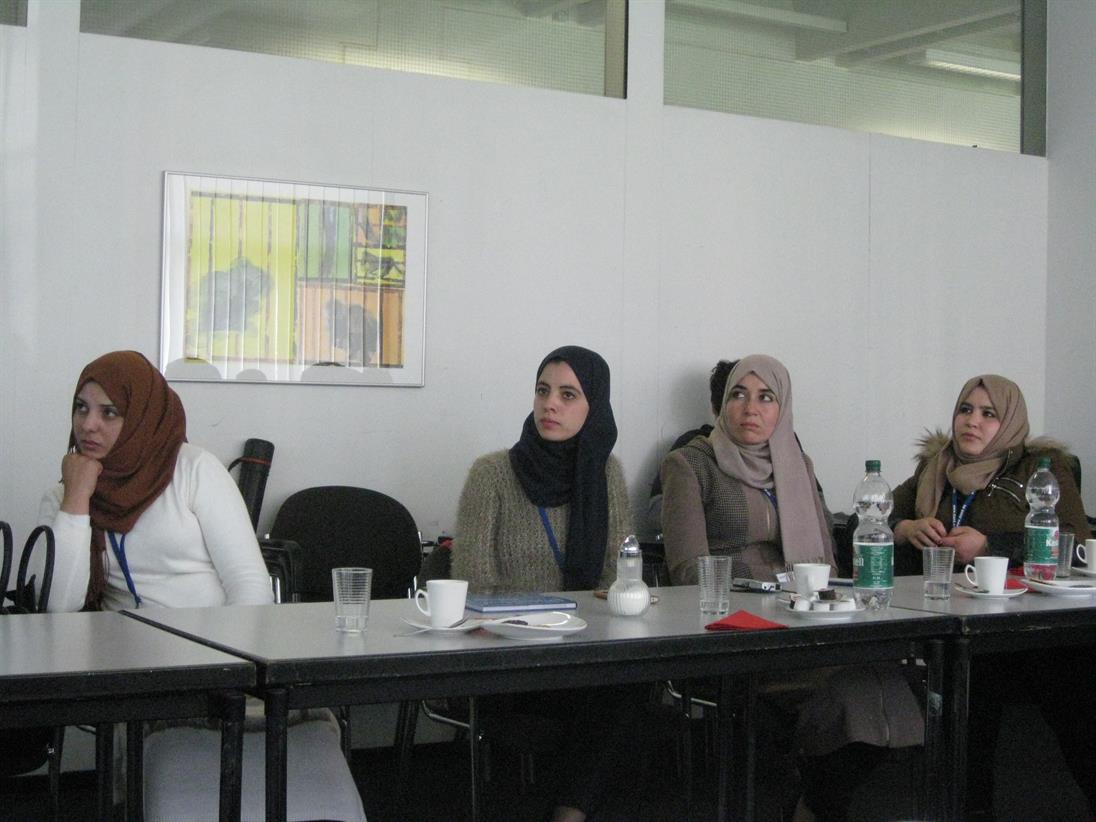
[
  {"x": 142, "y": 462},
  {"x": 778, "y": 463},
  {"x": 968, "y": 474}
]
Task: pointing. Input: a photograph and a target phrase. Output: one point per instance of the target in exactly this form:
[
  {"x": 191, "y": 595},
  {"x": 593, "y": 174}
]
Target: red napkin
[
  {"x": 743, "y": 621},
  {"x": 1014, "y": 583}
]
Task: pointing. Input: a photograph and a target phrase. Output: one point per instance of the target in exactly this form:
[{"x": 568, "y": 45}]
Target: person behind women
[
  {"x": 968, "y": 493},
  {"x": 144, "y": 519},
  {"x": 717, "y": 382},
  {"x": 748, "y": 491},
  {"x": 550, "y": 514}
]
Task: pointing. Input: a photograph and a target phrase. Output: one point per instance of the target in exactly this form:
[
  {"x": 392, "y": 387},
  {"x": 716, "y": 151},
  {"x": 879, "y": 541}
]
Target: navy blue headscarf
[{"x": 573, "y": 471}]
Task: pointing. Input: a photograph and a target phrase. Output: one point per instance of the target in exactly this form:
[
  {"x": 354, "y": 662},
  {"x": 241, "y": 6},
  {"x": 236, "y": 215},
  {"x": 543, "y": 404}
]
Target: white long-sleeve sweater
[{"x": 194, "y": 546}]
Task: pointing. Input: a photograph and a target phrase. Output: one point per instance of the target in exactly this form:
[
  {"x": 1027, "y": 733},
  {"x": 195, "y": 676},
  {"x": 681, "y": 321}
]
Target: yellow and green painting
[{"x": 295, "y": 281}]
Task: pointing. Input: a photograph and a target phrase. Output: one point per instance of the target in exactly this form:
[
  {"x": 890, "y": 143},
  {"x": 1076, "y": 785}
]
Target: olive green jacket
[{"x": 999, "y": 510}]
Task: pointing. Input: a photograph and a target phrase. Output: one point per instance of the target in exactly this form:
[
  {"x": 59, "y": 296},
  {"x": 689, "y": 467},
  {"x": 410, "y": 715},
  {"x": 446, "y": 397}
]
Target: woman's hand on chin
[
  {"x": 920, "y": 533},
  {"x": 79, "y": 474},
  {"x": 968, "y": 543}
]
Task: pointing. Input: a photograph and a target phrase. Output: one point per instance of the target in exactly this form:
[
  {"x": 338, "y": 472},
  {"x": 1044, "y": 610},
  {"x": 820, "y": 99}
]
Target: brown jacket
[{"x": 1000, "y": 509}]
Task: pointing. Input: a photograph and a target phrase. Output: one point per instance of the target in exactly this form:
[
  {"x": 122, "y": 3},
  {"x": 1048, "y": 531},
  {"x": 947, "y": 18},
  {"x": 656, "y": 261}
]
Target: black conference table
[
  {"x": 1030, "y": 621},
  {"x": 303, "y": 662},
  {"x": 102, "y": 668}
]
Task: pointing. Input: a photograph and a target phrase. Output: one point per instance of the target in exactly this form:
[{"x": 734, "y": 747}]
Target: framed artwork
[{"x": 270, "y": 281}]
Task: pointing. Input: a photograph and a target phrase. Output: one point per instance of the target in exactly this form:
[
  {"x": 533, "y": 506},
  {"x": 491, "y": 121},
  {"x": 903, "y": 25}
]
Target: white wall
[
  {"x": 663, "y": 237},
  {"x": 1071, "y": 233}
]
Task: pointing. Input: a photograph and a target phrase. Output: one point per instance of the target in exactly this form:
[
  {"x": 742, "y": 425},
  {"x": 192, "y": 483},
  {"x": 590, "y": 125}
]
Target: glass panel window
[
  {"x": 13, "y": 12},
  {"x": 542, "y": 43},
  {"x": 948, "y": 72}
]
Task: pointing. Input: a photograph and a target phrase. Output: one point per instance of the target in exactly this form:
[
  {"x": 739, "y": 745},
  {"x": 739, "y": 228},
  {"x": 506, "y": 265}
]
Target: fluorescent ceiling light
[{"x": 972, "y": 64}]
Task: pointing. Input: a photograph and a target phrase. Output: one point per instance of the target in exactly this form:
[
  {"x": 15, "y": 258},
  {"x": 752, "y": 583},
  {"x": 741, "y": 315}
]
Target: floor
[{"x": 1031, "y": 787}]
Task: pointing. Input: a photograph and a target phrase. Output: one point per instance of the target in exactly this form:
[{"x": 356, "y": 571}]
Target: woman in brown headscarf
[
  {"x": 143, "y": 518},
  {"x": 747, "y": 489},
  {"x": 968, "y": 493},
  {"x": 968, "y": 490}
]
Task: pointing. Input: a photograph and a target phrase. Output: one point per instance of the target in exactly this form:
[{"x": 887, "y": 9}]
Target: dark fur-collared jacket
[{"x": 998, "y": 511}]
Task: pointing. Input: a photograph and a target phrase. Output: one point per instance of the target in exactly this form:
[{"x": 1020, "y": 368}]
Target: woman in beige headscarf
[
  {"x": 746, "y": 490},
  {"x": 968, "y": 490},
  {"x": 968, "y": 493}
]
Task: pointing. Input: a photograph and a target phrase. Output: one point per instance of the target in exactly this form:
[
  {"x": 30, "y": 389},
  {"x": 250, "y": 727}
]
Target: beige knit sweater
[{"x": 501, "y": 543}]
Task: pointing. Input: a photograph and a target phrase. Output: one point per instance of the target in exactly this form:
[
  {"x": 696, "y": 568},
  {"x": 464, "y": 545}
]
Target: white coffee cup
[
  {"x": 989, "y": 574},
  {"x": 810, "y": 577},
  {"x": 444, "y": 601},
  {"x": 1087, "y": 553}
]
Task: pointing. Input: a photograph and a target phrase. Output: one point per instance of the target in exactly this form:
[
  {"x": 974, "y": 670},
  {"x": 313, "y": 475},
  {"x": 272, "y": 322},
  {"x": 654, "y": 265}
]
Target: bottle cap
[
  {"x": 630, "y": 547},
  {"x": 872, "y": 466},
  {"x": 1044, "y": 462}
]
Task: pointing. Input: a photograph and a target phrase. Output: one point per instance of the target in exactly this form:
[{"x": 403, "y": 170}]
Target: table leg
[
  {"x": 474, "y": 757},
  {"x": 135, "y": 771},
  {"x": 936, "y": 777},
  {"x": 232, "y": 755},
  {"x": 959, "y": 722},
  {"x": 104, "y": 769},
  {"x": 744, "y": 729},
  {"x": 685, "y": 742},
  {"x": 723, "y": 745},
  {"x": 277, "y": 713}
]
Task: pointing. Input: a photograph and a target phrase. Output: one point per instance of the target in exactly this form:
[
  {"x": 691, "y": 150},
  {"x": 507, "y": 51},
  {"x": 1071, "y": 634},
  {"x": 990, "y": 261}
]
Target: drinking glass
[
  {"x": 714, "y": 576},
  {"x": 937, "y": 563},
  {"x": 1065, "y": 554},
  {"x": 352, "y": 587}
]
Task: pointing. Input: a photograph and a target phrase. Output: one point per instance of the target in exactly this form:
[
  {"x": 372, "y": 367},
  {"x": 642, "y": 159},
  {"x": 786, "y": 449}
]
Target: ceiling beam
[
  {"x": 915, "y": 43},
  {"x": 874, "y": 26},
  {"x": 546, "y": 8},
  {"x": 785, "y": 18}
]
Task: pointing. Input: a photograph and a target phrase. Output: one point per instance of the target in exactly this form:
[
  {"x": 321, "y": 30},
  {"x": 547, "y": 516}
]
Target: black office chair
[
  {"x": 342, "y": 526},
  {"x": 335, "y": 526}
]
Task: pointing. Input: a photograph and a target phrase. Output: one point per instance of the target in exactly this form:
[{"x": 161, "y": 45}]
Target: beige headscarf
[
  {"x": 778, "y": 463},
  {"x": 968, "y": 474}
]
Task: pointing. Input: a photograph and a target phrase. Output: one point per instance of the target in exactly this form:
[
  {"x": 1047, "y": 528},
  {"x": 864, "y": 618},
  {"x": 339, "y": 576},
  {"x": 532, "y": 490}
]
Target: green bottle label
[
  {"x": 873, "y": 564},
  {"x": 1040, "y": 544}
]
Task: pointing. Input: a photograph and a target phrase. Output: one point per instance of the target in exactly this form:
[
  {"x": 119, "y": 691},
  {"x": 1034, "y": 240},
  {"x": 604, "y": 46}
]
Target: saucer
[
  {"x": 541, "y": 625},
  {"x": 1085, "y": 572},
  {"x": 469, "y": 624},
  {"x": 1062, "y": 588},
  {"x": 971, "y": 591},
  {"x": 822, "y": 615}
]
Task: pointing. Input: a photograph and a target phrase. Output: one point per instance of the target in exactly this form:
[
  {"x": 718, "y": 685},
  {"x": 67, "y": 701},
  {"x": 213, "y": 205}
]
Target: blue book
[{"x": 510, "y": 603}]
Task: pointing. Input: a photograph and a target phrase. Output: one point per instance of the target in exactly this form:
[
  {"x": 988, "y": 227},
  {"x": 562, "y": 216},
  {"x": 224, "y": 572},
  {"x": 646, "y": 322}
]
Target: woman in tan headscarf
[
  {"x": 968, "y": 493},
  {"x": 968, "y": 490},
  {"x": 746, "y": 490}
]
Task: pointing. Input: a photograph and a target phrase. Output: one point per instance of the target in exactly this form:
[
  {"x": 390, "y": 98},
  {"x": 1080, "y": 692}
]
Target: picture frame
[{"x": 288, "y": 282}]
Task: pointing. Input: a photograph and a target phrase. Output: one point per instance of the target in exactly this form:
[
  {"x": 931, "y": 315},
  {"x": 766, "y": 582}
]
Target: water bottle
[
  {"x": 629, "y": 595},
  {"x": 1041, "y": 524},
  {"x": 873, "y": 541}
]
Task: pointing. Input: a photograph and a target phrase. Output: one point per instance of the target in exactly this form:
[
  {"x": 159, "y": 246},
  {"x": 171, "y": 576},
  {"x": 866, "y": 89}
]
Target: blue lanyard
[
  {"x": 957, "y": 516},
  {"x": 772, "y": 497},
  {"x": 551, "y": 536},
  {"x": 119, "y": 549}
]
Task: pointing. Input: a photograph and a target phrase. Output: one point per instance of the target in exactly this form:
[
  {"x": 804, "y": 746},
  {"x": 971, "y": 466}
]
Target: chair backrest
[{"x": 339, "y": 526}]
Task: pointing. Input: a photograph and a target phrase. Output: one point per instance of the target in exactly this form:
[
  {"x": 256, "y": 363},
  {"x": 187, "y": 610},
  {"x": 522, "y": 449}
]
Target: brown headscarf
[
  {"x": 142, "y": 462},
  {"x": 968, "y": 474},
  {"x": 778, "y": 463}
]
